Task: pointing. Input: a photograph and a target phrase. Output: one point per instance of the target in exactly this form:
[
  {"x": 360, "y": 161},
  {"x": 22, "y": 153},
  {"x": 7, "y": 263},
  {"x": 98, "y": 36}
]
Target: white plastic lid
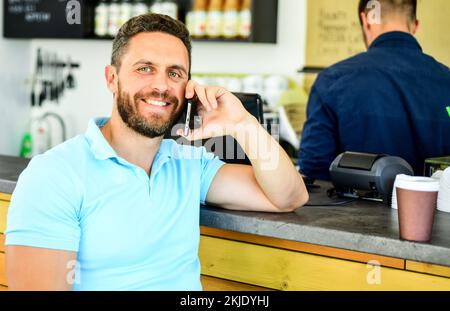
[{"x": 416, "y": 183}]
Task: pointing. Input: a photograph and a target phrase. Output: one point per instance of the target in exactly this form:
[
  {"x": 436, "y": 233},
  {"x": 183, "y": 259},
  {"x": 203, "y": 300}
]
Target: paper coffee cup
[{"x": 416, "y": 203}]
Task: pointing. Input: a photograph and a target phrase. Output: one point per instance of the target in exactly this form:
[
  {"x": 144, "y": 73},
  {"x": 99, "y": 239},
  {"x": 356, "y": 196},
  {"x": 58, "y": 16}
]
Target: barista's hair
[
  {"x": 148, "y": 23},
  {"x": 406, "y": 7}
]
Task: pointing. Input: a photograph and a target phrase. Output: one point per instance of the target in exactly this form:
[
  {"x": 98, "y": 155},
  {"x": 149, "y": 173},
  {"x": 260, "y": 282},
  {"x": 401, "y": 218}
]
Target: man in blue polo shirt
[
  {"x": 118, "y": 207},
  {"x": 392, "y": 99}
]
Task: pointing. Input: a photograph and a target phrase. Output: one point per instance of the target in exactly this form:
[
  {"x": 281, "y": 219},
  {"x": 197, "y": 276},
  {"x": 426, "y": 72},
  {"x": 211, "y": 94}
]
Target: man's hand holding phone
[{"x": 221, "y": 112}]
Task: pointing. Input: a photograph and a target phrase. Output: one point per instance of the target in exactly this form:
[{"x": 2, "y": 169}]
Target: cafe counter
[{"x": 323, "y": 246}]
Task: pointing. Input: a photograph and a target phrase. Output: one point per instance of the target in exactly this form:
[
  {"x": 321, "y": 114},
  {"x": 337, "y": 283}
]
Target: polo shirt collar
[
  {"x": 100, "y": 147},
  {"x": 396, "y": 39},
  {"x": 102, "y": 150}
]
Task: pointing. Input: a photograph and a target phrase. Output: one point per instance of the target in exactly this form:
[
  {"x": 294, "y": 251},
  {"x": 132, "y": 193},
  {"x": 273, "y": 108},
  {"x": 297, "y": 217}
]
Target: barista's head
[{"x": 380, "y": 16}]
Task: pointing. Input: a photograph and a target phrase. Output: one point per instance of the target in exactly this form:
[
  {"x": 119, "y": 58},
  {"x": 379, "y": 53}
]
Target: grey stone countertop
[
  {"x": 10, "y": 169},
  {"x": 362, "y": 226}
]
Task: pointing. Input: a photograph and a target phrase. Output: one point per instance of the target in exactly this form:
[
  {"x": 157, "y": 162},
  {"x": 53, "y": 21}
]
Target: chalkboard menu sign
[{"x": 44, "y": 18}]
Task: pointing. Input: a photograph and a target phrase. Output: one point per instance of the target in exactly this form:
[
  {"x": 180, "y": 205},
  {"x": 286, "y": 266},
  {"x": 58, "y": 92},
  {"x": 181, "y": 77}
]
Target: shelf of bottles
[{"x": 207, "y": 20}]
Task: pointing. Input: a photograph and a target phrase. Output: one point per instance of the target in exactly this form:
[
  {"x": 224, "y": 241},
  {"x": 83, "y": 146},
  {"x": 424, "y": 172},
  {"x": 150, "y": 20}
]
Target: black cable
[
  {"x": 330, "y": 193},
  {"x": 334, "y": 204}
]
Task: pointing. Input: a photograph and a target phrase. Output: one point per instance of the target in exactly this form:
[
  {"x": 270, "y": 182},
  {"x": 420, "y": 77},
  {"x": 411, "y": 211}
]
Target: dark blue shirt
[{"x": 391, "y": 99}]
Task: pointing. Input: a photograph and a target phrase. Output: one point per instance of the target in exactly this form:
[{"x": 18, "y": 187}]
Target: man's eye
[
  {"x": 174, "y": 74},
  {"x": 145, "y": 69}
]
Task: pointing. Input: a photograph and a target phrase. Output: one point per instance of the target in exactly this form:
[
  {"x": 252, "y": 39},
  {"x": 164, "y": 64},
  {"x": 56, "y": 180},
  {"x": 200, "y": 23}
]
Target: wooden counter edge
[
  {"x": 427, "y": 268},
  {"x": 5, "y": 196},
  {"x": 396, "y": 263}
]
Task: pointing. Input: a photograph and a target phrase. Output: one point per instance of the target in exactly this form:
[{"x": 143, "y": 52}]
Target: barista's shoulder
[
  {"x": 348, "y": 66},
  {"x": 338, "y": 75}
]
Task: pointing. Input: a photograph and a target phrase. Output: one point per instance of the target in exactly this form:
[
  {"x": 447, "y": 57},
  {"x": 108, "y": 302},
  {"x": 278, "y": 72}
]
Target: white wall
[
  {"x": 91, "y": 98},
  {"x": 14, "y": 99}
]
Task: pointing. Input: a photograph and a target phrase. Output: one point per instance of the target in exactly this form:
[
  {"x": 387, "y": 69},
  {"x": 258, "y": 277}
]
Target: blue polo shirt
[
  {"x": 130, "y": 231},
  {"x": 391, "y": 99}
]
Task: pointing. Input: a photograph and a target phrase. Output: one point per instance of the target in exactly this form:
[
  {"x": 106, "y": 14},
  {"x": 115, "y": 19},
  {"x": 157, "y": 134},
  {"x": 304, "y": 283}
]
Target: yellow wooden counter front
[
  {"x": 237, "y": 261},
  {"x": 4, "y": 202}
]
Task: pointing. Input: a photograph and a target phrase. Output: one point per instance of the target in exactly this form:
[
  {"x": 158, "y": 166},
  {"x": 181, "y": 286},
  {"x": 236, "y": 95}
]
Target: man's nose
[{"x": 160, "y": 83}]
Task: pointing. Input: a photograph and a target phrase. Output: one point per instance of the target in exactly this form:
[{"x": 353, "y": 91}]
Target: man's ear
[
  {"x": 365, "y": 22},
  {"x": 415, "y": 27},
  {"x": 112, "y": 78},
  {"x": 365, "y": 28}
]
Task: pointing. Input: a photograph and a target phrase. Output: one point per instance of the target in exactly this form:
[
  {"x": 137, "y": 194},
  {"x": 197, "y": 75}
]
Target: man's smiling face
[{"x": 151, "y": 83}]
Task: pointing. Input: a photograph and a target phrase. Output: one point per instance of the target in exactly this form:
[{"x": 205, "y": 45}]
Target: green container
[
  {"x": 436, "y": 164},
  {"x": 26, "y": 149}
]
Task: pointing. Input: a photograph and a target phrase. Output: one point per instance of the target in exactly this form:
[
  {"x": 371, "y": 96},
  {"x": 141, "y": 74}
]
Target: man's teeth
[{"x": 156, "y": 103}]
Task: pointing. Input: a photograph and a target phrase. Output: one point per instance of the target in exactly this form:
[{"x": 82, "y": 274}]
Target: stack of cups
[
  {"x": 416, "y": 202},
  {"x": 443, "y": 203}
]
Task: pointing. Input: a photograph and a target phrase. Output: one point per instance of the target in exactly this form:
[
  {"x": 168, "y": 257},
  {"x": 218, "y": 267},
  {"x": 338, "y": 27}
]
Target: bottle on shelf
[
  {"x": 231, "y": 18},
  {"x": 155, "y": 7},
  {"x": 190, "y": 17},
  {"x": 166, "y": 7},
  {"x": 245, "y": 19},
  {"x": 114, "y": 18},
  {"x": 199, "y": 14},
  {"x": 214, "y": 19},
  {"x": 139, "y": 7},
  {"x": 101, "y": 18},
  {"x": 126, "y": 9}
]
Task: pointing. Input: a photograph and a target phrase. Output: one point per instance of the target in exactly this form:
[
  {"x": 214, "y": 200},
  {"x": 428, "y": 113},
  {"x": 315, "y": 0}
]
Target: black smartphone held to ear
[
  {"x": 187, "y": 122},
  {"x": 192, "y": 118}
]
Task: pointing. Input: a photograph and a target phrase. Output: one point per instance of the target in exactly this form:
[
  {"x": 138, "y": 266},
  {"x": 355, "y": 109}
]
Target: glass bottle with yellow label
[
  {"x": 245, "y": 19},
  {"x": 214, "y": 19},
  {"x": 231, "y": 18}
]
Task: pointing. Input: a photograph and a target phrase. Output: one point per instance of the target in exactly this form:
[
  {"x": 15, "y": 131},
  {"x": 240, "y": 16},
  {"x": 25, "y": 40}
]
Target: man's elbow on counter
[{"x": 299, "y": 201}]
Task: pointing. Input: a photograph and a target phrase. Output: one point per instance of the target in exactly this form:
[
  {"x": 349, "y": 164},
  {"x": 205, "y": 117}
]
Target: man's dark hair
[
  {"x": 148, "y": 23},
  {"x": 408, "y": 7}
]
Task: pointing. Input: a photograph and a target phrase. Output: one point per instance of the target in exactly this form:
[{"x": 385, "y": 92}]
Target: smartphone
[
  {"x": 192, "y": 119},
  {"x": 187, "y": 122}
]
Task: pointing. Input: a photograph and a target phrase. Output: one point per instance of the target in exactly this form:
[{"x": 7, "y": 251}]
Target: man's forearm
[{"x": 273, "y": 169}]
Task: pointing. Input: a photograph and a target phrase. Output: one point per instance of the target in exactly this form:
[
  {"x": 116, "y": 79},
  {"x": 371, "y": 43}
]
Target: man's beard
[{"x": 150, "y": 127}]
